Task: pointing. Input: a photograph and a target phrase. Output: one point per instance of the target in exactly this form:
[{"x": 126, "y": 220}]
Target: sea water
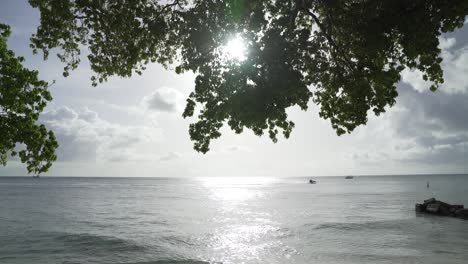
[{"x": 230, "y": 220}]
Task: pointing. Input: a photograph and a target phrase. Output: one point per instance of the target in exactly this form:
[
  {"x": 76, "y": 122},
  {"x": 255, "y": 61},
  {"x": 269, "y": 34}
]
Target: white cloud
[
  {"x": 454, "y": 65},
  {"x": 415, "y": 79},
  {"x": 61, "y": 113},
  {"x": 84, "y": 136},
  {"x": 236, "y": 148},
  {"x": 446, "y": 43},
  {"x": 424, "y": 129},
  {"x": 88, "y": 115},
  {"x": 164, "y": 99},
  {"x": 170, "y": 156}
]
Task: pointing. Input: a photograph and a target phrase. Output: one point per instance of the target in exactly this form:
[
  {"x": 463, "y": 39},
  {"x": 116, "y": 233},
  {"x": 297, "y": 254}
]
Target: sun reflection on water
[
  {"x": 235, "y": 188},
  {"x": 236, "y": 181},
  {"x": 243, "y": 230}
]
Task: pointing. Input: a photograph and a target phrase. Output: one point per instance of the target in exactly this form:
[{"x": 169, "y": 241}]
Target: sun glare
[{"x": 235, "y": 49}]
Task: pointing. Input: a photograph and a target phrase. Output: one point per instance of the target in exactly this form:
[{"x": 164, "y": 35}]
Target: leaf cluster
[
  {"x": 22, "y": 98},
  {"x": 345, "y": 56}
]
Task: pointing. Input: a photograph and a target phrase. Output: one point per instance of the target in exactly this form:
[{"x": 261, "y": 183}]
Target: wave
[
  {"x": 390, "y": 224},
  {"x": 35, "y": 243},
  {"x": 95, "y": 242}
]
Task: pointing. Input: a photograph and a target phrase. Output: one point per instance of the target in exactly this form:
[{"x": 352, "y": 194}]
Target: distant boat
[
  {"x": 312, "y": 181},
  {"x": 35, "y": 176},
  {"x": 349, "y": 177}
]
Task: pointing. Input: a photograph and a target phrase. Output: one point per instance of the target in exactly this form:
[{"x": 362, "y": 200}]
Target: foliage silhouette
[{"x": 345, "y": 56}]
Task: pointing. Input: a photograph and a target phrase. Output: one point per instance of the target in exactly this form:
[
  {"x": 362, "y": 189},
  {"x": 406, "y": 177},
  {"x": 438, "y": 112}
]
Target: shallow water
[{"x": 230, "y": 220}]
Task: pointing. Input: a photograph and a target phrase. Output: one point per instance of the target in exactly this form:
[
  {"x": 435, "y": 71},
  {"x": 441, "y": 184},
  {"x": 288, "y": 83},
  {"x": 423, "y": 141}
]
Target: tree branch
[
  {"x": 331, "y": 40},
  {"x": 175, "y": 3}
]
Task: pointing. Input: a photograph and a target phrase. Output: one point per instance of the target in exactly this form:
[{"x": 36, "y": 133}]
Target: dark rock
[
  {"x": 432, "y": 206},
  {"x": 462, "y": 213},
  {"x": 419, "y": 208},
  {"x": 430, "y": 200},
  {"x": 444, "y": 208},
  {"x": 455, "y": 208}
]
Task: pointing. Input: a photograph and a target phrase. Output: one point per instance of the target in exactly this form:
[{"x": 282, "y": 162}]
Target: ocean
[{"x": 230, "y": 220}]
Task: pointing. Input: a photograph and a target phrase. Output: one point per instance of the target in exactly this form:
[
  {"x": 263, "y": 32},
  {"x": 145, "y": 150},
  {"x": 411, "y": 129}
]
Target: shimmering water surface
[{"x": 230, "y": 220}]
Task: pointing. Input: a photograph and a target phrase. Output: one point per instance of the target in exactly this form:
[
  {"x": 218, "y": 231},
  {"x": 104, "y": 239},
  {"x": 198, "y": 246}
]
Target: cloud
[
  {"x": 454, "y": 65},
  {"x": 61, "y": 113},
  {"x": 164, "y": 99},
  {"x": 170, "y": 156},
  {"x": 432, "y": 128},
  {"x": 85, "y": 137},
  {"x": 88, "y": 115},
  {"x": 448, "y": 154},
  {"x": 446, "y": 43},
  {"x": 371, "y": 158},
  {"x": 432, "y": 111},
  {"x": 236, "y": 148},
  {"x": 424, "y": 127}
]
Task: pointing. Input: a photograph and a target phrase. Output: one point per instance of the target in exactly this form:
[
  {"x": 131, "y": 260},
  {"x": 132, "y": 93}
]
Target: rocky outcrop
[
  {"x": 433, "y": 206},
  {"x": 462, "y": 213}
]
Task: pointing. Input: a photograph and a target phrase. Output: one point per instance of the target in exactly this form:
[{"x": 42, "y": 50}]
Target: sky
[{"x": 134, "y": 126}]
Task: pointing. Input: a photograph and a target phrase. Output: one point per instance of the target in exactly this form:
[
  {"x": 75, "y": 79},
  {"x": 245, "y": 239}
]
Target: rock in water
[
  {"x": 455, "y": 208},
  {"x": 418, "y": 208},
  {"x": 462, "y": 213},
  {"x": 430, "y": 200},
  {"x": 432, "y": 206}
]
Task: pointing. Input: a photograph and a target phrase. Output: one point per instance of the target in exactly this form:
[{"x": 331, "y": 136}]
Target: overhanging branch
[{"x": 330, "y": 39}]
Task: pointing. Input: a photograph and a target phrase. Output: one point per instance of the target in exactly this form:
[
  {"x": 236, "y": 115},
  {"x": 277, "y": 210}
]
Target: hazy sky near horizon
[{"x": 134, "y": 127}]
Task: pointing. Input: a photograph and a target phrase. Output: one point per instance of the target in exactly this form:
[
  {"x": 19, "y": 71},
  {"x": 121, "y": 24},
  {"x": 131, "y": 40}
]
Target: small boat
[
  {"x": 312, "y": 181},
  {"x": 35, "y": 176},
  {"x": 349, "y": 177}
]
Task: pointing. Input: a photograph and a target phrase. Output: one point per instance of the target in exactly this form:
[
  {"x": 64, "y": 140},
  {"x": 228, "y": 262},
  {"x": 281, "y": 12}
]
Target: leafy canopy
[
  {"x": 22, "y": 98},
  {"x": 345, "y": 56}
]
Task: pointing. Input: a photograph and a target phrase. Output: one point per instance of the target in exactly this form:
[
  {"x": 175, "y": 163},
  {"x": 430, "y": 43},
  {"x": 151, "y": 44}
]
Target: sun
[{"x": 235, "y": 49}]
